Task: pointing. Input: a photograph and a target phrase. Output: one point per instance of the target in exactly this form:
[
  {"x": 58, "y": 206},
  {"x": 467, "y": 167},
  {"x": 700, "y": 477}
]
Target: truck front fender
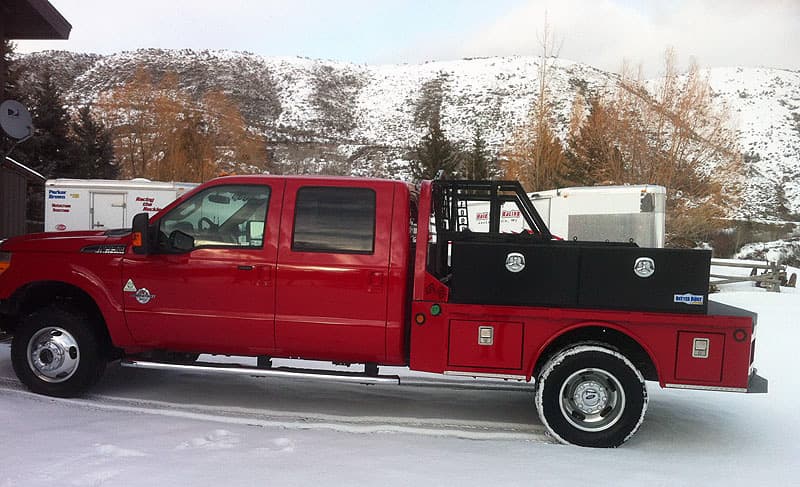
[{"x": 38, "y": 279}]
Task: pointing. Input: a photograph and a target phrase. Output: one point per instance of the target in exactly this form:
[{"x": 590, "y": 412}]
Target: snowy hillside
[
  {"x": 766, "y": 105},
  {"x": 365, "y": 117}
]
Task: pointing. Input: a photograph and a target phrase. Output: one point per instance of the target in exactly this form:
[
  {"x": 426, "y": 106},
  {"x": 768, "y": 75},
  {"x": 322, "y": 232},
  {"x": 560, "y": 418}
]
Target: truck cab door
[
  {"x": 219, "y": 296},
  {"x": 332, "y": 273}
]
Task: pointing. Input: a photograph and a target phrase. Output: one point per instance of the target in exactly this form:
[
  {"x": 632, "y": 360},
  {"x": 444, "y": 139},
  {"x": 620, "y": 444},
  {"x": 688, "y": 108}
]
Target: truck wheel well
[
  {"x": 52, "y": 293},
  {"x": 616, "y": 340}
]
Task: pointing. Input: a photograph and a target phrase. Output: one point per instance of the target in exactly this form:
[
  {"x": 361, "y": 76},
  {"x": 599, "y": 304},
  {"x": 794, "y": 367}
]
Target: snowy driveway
[{"x": 155, "y": 428}]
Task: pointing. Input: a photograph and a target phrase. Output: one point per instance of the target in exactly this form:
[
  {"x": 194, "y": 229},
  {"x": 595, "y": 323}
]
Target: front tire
[
  {"x": 590, "y": 395},
  {"x": 56, "y": 352}
]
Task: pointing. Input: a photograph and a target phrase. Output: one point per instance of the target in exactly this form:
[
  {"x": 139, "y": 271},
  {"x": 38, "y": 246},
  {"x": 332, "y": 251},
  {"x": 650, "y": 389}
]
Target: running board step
[{"x": 235, "y": 369}]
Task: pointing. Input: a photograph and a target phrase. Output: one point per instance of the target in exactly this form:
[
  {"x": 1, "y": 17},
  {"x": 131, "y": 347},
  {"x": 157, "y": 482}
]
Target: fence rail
[{"x": 771, "y": 277}]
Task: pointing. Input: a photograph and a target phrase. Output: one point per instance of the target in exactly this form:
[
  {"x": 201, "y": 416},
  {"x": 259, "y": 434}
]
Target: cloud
[
  {"x": 598, "y": 32},
  {"x": 604, "y": 32}
]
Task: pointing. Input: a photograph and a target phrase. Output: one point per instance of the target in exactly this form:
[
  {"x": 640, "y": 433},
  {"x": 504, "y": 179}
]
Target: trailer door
[{"x": 108, "y": 211}]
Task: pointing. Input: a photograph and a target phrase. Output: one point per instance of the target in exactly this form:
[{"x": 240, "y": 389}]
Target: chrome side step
[{"x": 287, "y": 372}]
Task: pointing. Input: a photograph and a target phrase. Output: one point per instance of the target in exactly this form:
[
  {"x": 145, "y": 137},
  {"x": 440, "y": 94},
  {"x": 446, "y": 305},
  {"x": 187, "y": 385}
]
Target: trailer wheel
[
  {"x": 56, "y": 352},
  {"x": 589, "y": 395}
]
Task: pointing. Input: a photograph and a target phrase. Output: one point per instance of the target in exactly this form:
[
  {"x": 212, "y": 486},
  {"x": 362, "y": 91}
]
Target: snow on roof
[
  {"x": 25, "y": 170},
  {"x": 138, "y": 183}
]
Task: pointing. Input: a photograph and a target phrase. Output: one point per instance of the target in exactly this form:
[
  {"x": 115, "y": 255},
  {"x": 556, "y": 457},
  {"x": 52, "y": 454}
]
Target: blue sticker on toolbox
[{"x": 689, "y": 298}]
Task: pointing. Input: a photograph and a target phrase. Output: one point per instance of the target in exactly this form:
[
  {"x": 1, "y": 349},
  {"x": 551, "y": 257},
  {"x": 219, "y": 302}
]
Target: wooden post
[{"x": 775, "y": 284}]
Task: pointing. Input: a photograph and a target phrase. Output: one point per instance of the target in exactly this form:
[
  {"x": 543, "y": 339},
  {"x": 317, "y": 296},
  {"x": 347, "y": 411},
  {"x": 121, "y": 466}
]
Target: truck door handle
[
  {"x": 245, "y": 267},
  {"x": 376, "y": 280}
]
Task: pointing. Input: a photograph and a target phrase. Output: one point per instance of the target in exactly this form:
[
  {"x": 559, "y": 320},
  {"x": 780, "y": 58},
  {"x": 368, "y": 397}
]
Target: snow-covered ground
[{"x": 157, "y": 428}]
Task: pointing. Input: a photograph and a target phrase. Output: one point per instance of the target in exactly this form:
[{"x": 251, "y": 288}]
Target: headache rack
[{"x": 451, "y": 212}]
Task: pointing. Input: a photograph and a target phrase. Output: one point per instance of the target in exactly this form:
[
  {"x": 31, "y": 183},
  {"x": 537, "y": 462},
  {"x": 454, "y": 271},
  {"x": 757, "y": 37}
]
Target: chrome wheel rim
[
  {"x": 592, "y": 400},
  {"x": 53, "y": 354}
]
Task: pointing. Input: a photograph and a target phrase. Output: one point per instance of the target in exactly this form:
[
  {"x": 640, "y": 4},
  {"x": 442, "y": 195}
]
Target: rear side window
[{"x": 335, "y": 220}]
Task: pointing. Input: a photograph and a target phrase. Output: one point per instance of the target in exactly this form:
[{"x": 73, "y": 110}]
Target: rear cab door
[{"x": 333, "y": 263}]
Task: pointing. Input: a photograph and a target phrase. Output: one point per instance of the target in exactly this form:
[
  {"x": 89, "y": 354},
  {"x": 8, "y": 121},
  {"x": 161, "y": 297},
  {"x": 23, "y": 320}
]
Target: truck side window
[
  {"x": 336, "y": 220},
  {"x": 227, "y": 216}
]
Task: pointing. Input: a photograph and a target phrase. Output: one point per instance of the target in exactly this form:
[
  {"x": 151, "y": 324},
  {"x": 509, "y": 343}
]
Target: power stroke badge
[{"x": 142, "y": 295}]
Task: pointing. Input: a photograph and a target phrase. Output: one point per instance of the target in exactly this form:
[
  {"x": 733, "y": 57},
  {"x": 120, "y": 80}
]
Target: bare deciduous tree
[
  {"x": 670, "y": 133},
  {"x": 535, "y": 155},
  {"x": 162, "y": 132}
]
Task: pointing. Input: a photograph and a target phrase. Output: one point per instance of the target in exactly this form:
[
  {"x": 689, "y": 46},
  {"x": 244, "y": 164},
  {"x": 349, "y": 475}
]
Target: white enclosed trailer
[
  {"x": 605, "y": 213},
  {"x": 98, "y": 204},
  {"x": 592, "y": 213}
]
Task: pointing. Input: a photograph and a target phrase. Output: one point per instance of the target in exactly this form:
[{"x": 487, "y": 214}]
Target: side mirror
[
  {"x": 141, "y": 234},
  {"x": 181, "y": 241}
]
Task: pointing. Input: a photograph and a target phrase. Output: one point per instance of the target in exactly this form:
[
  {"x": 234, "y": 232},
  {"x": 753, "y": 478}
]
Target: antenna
[{"x": 16, "y": 122}]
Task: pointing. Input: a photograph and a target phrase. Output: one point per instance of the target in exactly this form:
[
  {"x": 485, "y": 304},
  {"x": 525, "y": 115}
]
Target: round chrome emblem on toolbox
[
  {"x": 515, "y": 262},
  {"x": 644, "y": 267}
]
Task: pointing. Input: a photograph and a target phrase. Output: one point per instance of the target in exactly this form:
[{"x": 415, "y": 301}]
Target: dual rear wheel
[{"x": 590, "y": 395}]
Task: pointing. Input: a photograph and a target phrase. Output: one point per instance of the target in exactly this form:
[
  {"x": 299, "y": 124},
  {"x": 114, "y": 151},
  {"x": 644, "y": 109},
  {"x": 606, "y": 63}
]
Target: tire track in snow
[{"x": 475, "y": 430}]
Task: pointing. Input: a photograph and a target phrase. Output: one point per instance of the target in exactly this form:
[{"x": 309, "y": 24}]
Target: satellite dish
[{"x": 15, "y": 120}]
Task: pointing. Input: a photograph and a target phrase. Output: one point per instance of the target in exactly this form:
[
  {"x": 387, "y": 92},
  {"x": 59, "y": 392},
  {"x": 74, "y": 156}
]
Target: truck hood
[{"x": 65, "y": 241}]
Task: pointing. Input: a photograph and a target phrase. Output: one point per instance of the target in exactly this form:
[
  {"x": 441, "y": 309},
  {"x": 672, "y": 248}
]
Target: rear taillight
[{"x": 5, "y": 261}]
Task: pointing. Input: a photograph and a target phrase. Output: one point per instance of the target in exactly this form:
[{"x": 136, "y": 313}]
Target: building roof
[
  {"x": 27, "y": 172},
  {"x": 33, "y": 19}
]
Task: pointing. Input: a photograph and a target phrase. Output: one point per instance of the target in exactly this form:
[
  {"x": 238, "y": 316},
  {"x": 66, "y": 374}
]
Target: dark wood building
[
  {"x": 16, "y": 182},
  {"x": 22, "y": 19}
]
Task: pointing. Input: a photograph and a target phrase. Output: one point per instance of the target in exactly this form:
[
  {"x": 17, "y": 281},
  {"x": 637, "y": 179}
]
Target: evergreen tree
[
  {"x": 49, "y": 149},
  {"x": 10, "y": 90},
  {"x": 434, "y": 153},
  {"x": 93, "y": 149},
  {"x": 477, "y": 164}
]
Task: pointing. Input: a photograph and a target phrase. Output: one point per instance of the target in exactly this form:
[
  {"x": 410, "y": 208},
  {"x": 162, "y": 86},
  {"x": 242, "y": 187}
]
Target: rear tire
[
  {"x": 57, "y": 352},
  {"x": 590, "y": 395}
]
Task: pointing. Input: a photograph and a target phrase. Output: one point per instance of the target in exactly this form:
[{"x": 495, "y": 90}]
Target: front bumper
[{"x": 756, "y": 384}]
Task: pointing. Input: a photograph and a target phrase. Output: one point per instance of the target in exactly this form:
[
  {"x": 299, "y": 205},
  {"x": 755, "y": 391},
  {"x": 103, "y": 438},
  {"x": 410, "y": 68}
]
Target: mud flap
[{"x": 757, "y": 384}]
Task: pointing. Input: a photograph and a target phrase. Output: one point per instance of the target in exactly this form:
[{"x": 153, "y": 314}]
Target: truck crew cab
[{"x": 381, "y": 273}]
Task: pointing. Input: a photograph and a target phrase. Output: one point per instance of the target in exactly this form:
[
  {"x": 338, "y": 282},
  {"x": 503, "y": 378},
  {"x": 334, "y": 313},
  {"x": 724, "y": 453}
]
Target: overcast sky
[{"x": 598, "y": 32}]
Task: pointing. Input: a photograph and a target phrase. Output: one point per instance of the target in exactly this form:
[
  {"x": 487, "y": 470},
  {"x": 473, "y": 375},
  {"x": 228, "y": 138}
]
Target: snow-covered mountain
[{"x": 361, "y": 119}]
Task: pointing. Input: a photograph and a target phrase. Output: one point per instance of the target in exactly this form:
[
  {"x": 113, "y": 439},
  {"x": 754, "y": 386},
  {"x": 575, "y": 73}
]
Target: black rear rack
[{"x": 450, "y": 199}]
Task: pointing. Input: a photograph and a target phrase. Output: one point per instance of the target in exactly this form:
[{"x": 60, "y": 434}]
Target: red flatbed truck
[{"x": 382, "y": 273}]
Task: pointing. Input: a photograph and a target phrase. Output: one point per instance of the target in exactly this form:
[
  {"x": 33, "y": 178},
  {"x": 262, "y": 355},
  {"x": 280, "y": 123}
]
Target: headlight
[{"x": 5, "y": 261}]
